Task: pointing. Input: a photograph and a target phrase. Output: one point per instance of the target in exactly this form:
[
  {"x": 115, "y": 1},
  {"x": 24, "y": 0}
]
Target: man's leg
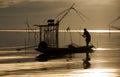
[{"x": 87, "y": 43}]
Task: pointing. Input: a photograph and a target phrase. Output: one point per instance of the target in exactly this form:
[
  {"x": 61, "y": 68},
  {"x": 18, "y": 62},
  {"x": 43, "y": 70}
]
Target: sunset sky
[{"x": 13, "y": 13}]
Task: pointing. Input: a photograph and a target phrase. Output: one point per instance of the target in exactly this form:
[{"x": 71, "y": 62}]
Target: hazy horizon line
[{"x": 94, "y": 31}]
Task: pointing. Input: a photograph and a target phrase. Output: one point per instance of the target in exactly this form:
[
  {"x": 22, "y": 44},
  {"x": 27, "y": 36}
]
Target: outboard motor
[{"x": 42, "y": 46}]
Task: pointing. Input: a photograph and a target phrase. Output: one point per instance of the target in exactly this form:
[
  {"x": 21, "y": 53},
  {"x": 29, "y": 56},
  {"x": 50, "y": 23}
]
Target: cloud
[
  {"x": 14, "y": 12},
  {"x": 8, "y": 3}
]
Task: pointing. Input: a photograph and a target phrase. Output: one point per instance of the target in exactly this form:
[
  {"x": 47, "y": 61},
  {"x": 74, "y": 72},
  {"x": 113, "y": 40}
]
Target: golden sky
[{"x": 13, "y": 13}]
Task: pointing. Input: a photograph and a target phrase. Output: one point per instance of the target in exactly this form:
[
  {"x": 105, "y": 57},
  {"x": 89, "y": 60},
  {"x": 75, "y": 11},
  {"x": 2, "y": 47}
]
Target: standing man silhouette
[{"x": 87, "y": 37}]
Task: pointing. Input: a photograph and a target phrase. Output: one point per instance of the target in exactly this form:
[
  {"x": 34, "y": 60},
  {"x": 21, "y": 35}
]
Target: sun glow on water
[
  {"x": 97, "y": 73},
  {"x": 103, "y": 49}
]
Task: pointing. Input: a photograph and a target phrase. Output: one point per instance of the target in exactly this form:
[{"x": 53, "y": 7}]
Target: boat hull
[{"x": 55, "y": 53}]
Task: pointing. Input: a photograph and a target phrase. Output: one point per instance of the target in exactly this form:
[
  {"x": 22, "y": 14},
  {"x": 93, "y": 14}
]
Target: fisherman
[{"x": 87, "y": 37}]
